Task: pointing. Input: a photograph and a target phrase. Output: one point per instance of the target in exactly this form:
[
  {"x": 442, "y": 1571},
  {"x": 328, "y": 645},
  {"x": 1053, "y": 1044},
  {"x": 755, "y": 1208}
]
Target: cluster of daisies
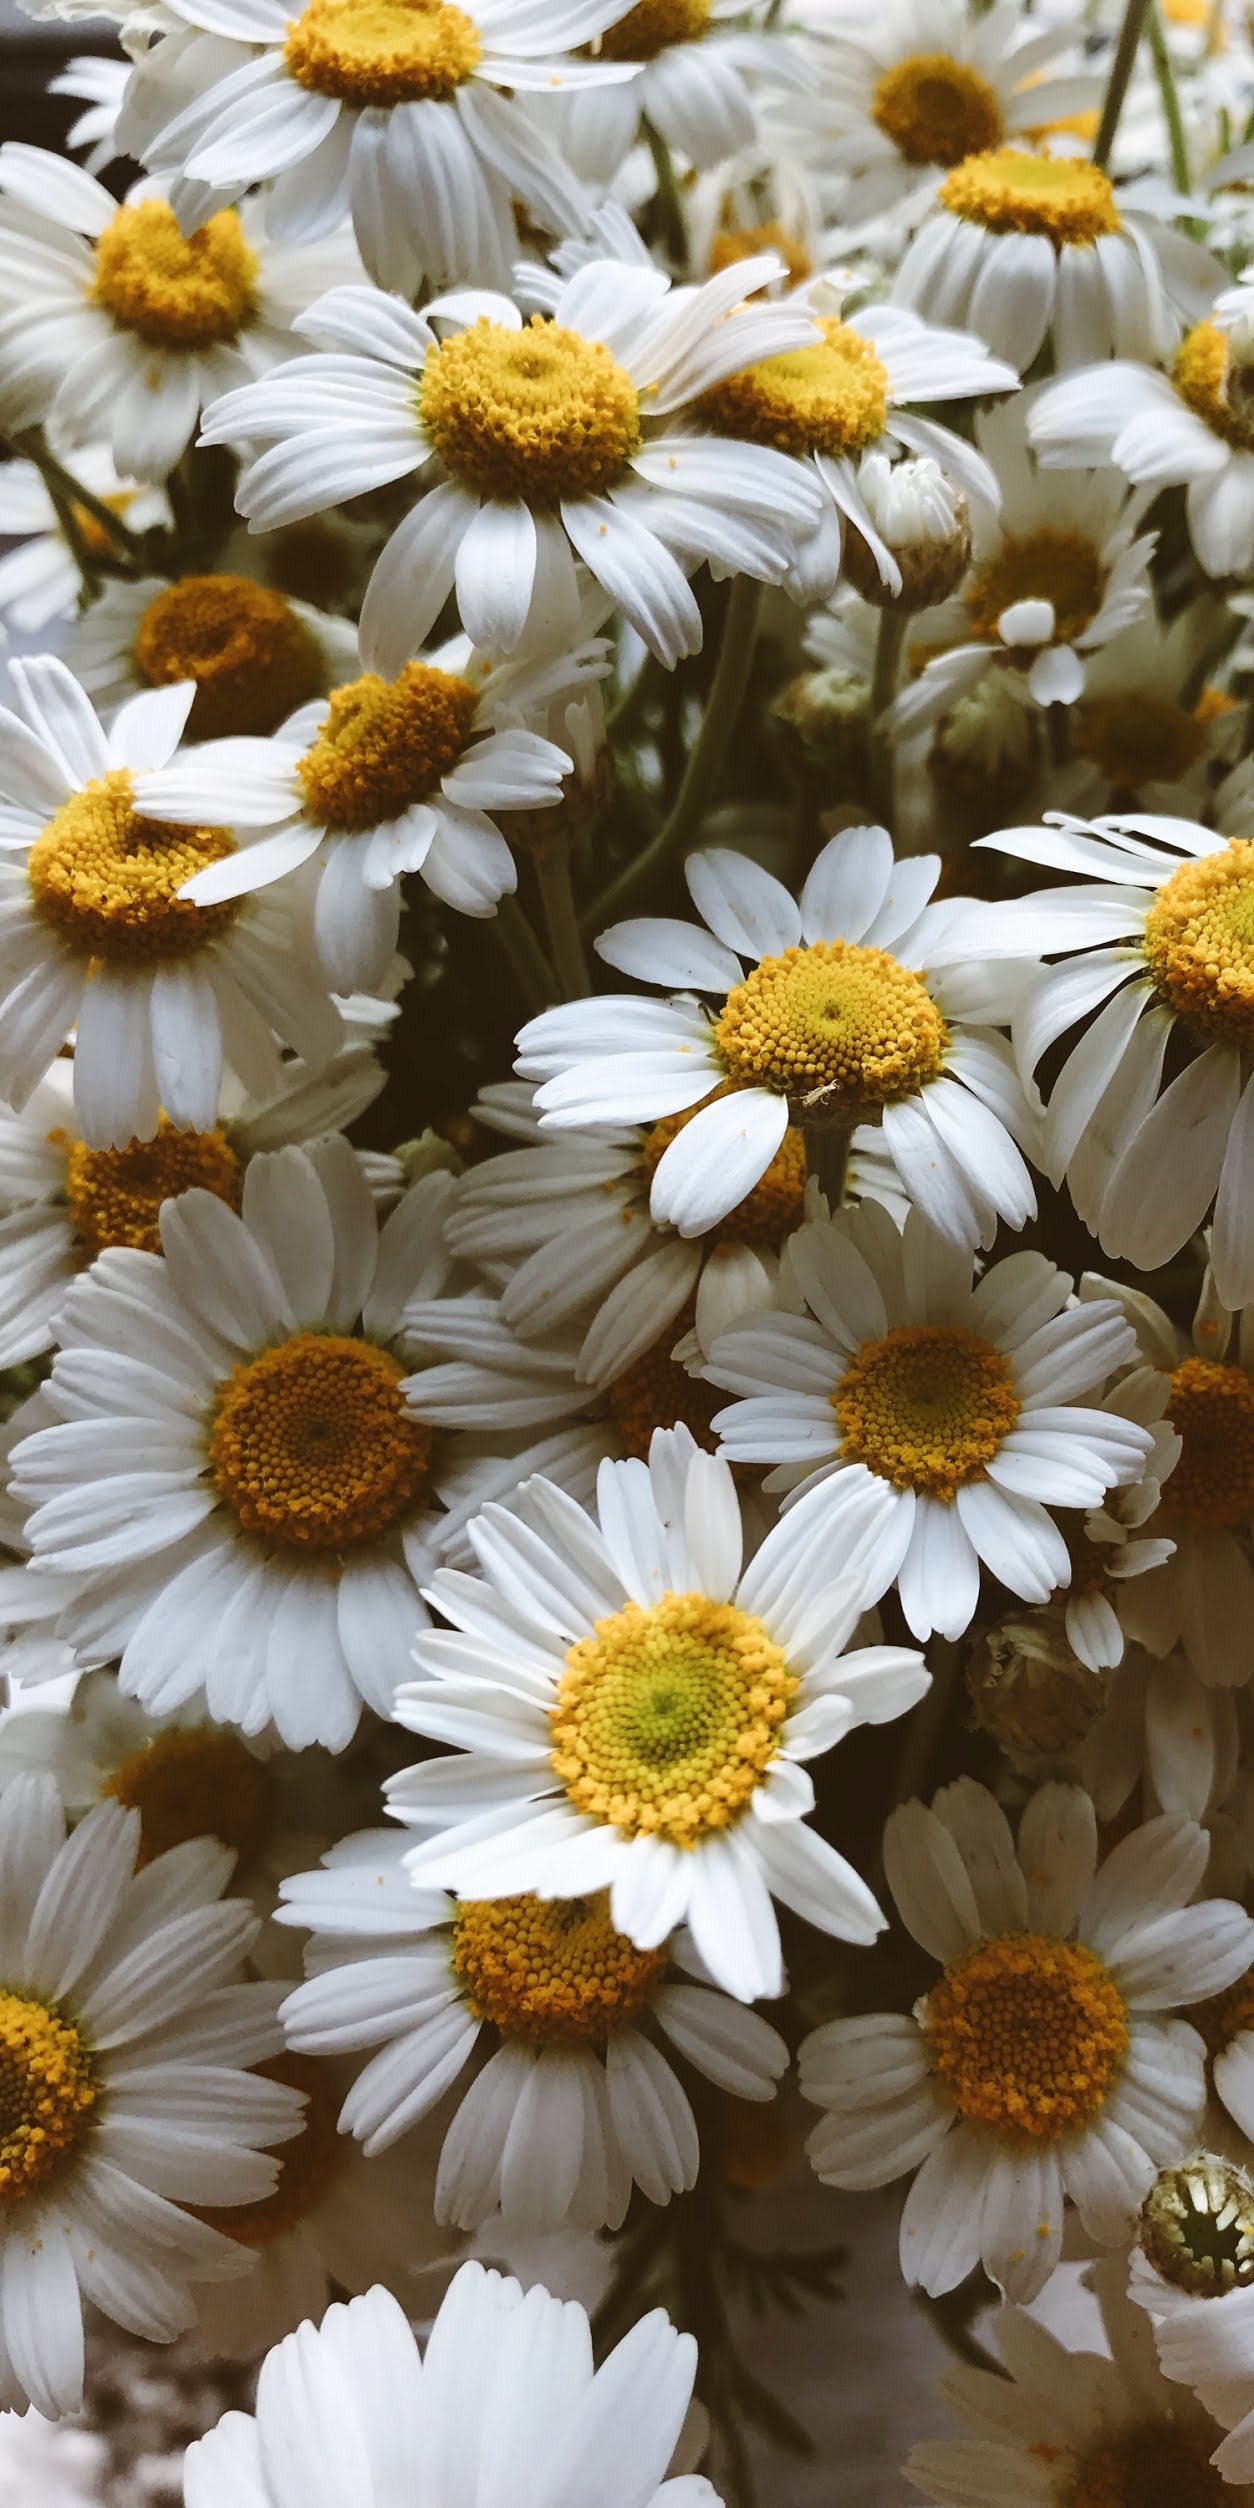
[{"x": 627, "y": 1229}]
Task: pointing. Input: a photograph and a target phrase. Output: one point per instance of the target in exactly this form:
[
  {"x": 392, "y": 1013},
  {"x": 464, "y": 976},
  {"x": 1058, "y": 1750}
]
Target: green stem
[
  {"x": 1169, "y": 97},
  {"x": 674, "y": 234},
  {"x": 561, "y": 922},
  {"x": 1134, "y": 17},
  {"x": 827, "y": 1158},
  {"x": 886, "y": 673},
  {"x": 84, "y": 559},
  {"x": 706, "y": 759},
  {"x": 535, "y": 977},
  {"x": 65, "y": 489}
]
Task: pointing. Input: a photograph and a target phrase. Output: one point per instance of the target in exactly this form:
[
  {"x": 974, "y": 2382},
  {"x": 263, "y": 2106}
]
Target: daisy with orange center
[
  {"x": 1038, "y": 2068},
  {"x": 253, "y": 653}
]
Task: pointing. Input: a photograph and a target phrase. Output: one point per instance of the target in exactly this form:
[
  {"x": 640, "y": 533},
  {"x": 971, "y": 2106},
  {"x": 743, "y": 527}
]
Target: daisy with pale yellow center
[
  {"x": 1039, "y": 2068},
  {"x": 577, "y": 2101},
  {"x": 539, "y": 440},
  {"x": 117, "y": 327},
  {"x": 828, "y": 1010},
  {"x": 632, "y": 1710},
  {"x": 934, "y": 1422}
]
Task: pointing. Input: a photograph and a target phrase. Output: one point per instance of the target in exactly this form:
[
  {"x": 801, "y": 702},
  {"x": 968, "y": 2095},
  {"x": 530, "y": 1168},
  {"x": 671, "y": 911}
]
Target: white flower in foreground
[
  {"x": 40, "y": 579},
  {"x": 934, "y": 1416},
  {"x": 1158, "y": 948},
  {"x": 122, "y": 1990},
  {"x": 633, "y": 1712},
  {"x": 95, "y": 936},
  {"x": 388, "y": 777},
  {"x": 114, "y": 325},
  {"x": 540, "y": 441},
  {"x": 253, "y": 653},
  {"x": 1072, "y": 2429},
  {"x": 1020, "y": 247},
  {"x": 577, "y": 2100},
  {"x": 1040, "y": 2065},
  {"x": 236, "y": 1494},
  {"x": 505, "y": 2393},
  {"x": 838, "y": 1016}
]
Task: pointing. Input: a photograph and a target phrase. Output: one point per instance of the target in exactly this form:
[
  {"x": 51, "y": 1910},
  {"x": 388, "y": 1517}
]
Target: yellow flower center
[
  {"x": 836, "y": 1018},
  {"x": 115, "y": 1195},
  {"x": 198, "y": 1783},
  {"x": 1199, "y": 372},
  {"x": 667, "y": 1716},
  {"x": 1027, "y": 2035},
  {"x": 1199, "y": 943},
  {"x": 539, "y": 413},
  {"x": 174, "y": 290},
  {"x": 926, "y": 1407},
  {"x": 313, "y": 1446},
  {"x": 551, "y": 1971},
  {"x": 831, "y": 398},
  {"x": 1058, "y": 566},
  {"x": 308, "y": 2164},
  {"x": 654, "y": 1391},
  {"x": 652, "y": 26},
  {"x": 47, "y": 2093},
  {"x": 385, "y": 744},
  {"x": 108, "y": 881},
  {"x": 383, "y": 52},
  {"x": 1212, "y": 1408},
  {"x": 1153, "y": 2468},
  {"x": 741, "y": 243},
  {"x": 1137, "y": 740},
  {"x": 1012, "y": 193},
  {"x": 935, "y": 110},
  {"x": 774, "y": 1207},
  {"x": 252, "y": 658}
]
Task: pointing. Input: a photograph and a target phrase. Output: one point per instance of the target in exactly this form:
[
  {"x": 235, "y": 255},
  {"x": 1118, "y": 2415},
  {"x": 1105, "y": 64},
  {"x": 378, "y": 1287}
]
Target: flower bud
[
  {"x": 1197, "y": 2226},
  {"x": 922, "y": 519},
  {"x": 1029, "y": 1691}
]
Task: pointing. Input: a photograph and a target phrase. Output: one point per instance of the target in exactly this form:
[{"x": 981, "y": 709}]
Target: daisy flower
[
  {"x": 701, "y": 68},
  {"x": 506, "y": 2381},
  {"x": 388, "y": 776},
  {"x": 1193, "y": 2275},
  {"x": 417, "y": 124},
  {"x": 1166, "y": 1731},
  {"x": 577, "y": 2101},
  {"x": 935, "y": 1418},
  {"x": 539, "y": 441},
  {"x": 827, "y": 1009},
  {"x": 634, "y": 1710},
  {"x": 114, "y": 325},
  {"x": 120, "y": 1989},
  {"x": 235, "y": 1492},
  {"x": 1071, "y": 2429},
  {"x": 1055, "y": 572},
  {"x": 252, "y": 653},
  {"x": 1041, "y": 2066},
  {"x": 40, "y": 579},
  {"x": 94, "y": 934},
  {"x": 1160, "y": 950},
  {"x": 1021, "y": 247},
  {"x": 1140, "y": 735}
]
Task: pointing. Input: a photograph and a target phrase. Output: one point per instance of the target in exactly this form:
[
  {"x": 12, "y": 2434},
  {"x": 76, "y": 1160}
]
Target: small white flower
[{"x": 1040, "y": 2067}]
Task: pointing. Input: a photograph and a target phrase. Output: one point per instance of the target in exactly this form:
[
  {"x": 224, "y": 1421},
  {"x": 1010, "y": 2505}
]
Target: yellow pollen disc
[
  {"x": 836, "y": 1017},
  {"x": 195, "y": 1784},
  {"x": 1199, "y": 944},
  {"x": 539, "y": 413},
  {"x": 741, "y": 243},
  {"x": 115, "y": 1195},
  {"x": 936, "y": 110},
  {"x": 1058, "y": 566},
  {"x": 551, "y": 1971},
  {"x": 385, "y": 744},
  {"x": 47, "y": 2093},
  {"x": 108, "y": 881},
  {"x": 1153, "y": 2468},
  {"x": 652, "y": 26},
  {"x": 1199, "y": 372},
  {"x": 313, "y": 1446},
  {"x": 1012, "y": 193},
  {"x": 1224, "y": 2016},
  {"x": 654, "y": 1391},
  {"x": 174, "y": 290},
  {"x": 253, "y": 660},
  {"x": 831, "y": 398},
  {"x": 667, "y": 1717},
  {"x": 774, "y": 1207},
  {"x": 1137, "y": 740},
  {"x": 308, "y": 2164},
  {"x": 926, "y": 1407},
  {"x": 1212, "y": 1407},
  {"x": 383, "y": 52},
  {"x": 1027, "y": 2035}
]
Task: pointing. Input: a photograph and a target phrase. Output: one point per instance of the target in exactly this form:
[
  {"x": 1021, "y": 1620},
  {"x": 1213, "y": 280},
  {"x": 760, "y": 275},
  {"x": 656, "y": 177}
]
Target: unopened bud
[
  {"x": 922, "y": 519},
  {"x": 1197, "y": 2226},
  {"x": 1029, "y": 1691},
  {"x": 987, "y": 750}
]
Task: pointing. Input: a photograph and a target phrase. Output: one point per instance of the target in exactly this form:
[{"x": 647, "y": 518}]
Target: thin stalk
[
  {"x": 65, "y": 489},
  {"x": 827, "y": 1158},
  {"x": 669, "y": 208},
  {"x": 561, "y": 923},
  {"x": 535, "y": 978},
  {"x": 83, "y": 556},
  {"x": 1169, "y": 98},
  {"x": 1134, "y": 17},
  {"x": 706, "y": 758},
  {"x": 884, "y": 678}
]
